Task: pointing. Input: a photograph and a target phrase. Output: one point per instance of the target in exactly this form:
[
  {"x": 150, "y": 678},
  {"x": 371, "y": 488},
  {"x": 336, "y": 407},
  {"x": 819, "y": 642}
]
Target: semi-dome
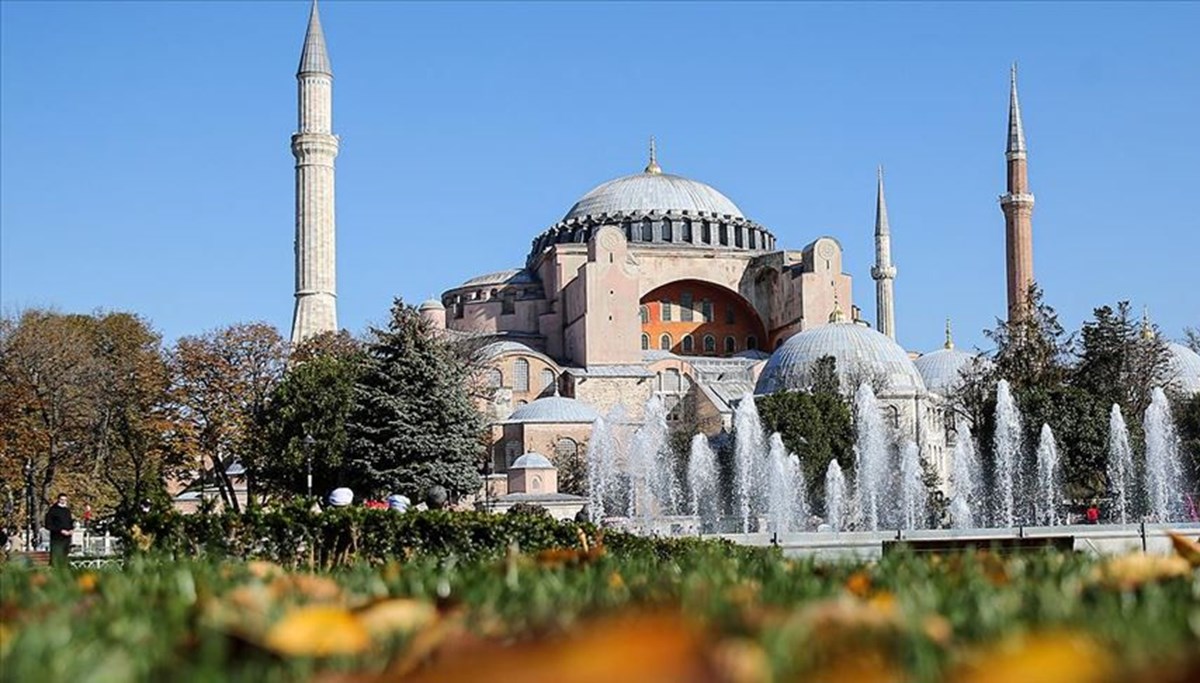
[
  {"x": 431, "y": 305},
  {"x": 531, "y": 461},
  {"x": 862, "y": 354},
  {"x": 1184, "y": 368},
  {"x": 660, "y": 192},
  {"x": 942, "y": 369},
  {"x": 556, "y": 410}
]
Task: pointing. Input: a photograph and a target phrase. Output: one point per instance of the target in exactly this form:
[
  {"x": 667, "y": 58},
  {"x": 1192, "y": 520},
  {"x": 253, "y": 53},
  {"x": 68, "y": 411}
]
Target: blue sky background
[{"x": 144, "y": 162}]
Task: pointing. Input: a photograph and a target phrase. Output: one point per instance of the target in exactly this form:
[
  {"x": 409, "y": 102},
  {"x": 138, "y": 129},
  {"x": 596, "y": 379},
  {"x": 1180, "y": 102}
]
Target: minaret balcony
[{"x": 1017, "y": 198}]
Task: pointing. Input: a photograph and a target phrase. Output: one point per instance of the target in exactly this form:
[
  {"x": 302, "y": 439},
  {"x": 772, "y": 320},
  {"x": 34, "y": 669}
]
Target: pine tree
[{"x": 413, "y": 425}]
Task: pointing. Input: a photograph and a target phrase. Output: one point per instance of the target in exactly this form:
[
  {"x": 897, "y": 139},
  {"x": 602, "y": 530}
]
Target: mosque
[{"x": 655, "y": 284}]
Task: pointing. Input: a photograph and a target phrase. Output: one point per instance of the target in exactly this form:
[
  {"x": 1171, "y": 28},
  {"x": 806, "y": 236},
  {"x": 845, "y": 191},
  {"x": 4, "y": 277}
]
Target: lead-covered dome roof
[
  {"x": 942, "y": 369},
  {"x": 660, "y": 192},
  {"x": 1184, "y": 368},
  {"x": 554, "y": 410},
  {"x": 862, "y": 354}
]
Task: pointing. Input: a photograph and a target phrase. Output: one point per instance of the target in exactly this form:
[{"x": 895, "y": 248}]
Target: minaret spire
[
  {"x": 315, "y": 147},
  {"x": 949, "y": 339},
  {"x": 884, "y": 272},
  {"x": 653, "y": 168},
  {"x": 1017, "y": 205}
]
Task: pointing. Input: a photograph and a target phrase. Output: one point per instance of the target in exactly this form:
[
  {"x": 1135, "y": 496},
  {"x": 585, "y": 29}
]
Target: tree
[
  {"x": 818, "y": 427},
  {"x": 413, "y": 425},
  {"x": 47, "y": 397},
  {"x": 1032, "y": 350},
  {"x": 313, "y": 399},
  {"x": 1118, "y": 361},
  {"x": 1191, "y": 338},
  {"x": 221, "y": 383}
]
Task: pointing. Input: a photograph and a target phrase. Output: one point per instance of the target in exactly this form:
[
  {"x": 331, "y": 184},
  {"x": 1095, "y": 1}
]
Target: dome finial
[
  {"x": 653, "y": 168},
  {"x": 1147, "y": 330},
  {"x": 949, "y": 339},
  {"x": 837, "y": 316}
]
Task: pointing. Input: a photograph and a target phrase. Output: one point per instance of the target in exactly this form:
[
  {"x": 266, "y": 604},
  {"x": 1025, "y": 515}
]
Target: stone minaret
[
  {"x": 315, "y": 147},
  {"x": 884, "y": 272},
  {"x": 1017, "y": 205}
]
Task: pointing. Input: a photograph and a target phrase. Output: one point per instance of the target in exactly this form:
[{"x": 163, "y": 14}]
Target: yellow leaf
[
  {"x": 317, "y": 631},
  {"x": 1126, "y": 572},
  {"x": 1186, "y": 548},
  {"x": 859, "y": 584},
  {"x": 1056, "y": 657},
  {"x": 86, "y": 582},
  {"x": 741, "y": 660},
  {"x": 398, "y": 616}
]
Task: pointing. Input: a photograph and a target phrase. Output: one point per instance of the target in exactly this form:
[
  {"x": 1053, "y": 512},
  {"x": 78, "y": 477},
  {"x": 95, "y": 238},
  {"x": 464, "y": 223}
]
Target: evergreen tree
[
  {"x": 314, "y": 400},
  {"x": 412, "y": 425},
  {"x": 817, "y": 426},
  {"x": 1120, "y": 361},
  {"x": 1032, "y": 351}
]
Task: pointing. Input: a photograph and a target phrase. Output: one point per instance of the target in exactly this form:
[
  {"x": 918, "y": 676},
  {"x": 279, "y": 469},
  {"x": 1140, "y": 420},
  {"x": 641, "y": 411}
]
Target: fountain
[
  {"x": 964, "y": 481},
  {"x": 1047, "y": 494},
  {"x": 913, "y": 496},
  {"x": 1164, "y": 471},
  {"x": 702, "y": 480},
  {"x": 747, "y": 459},
  {"x": 835, "y": 495},
  {"x": 1120, "y": 462},
  {"x": 871, "y": 471},
  {"x": 799, "y": 499},
  {"x": 602, "y": 470},
  {"x": 780, "y": 507},
  {"x": 653, "y": 484},
  {"x": 1007, "y": 447}
]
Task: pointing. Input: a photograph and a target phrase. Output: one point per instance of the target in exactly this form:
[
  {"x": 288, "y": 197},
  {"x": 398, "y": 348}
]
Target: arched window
[
  {"x": 645, "y": 312},
  {"x": 494, "y": 378},
  {"x": 685, "y": 307},
  {"x": 894, "y": 414},
  {"x": 689, "y": 344},
  {"x": 547, "y": 377},
  {"x": 671, "y": 380},
  {"x": 752, "y": 343},
  {"x": 664, "y": 342},
  {"x": 520, "y": 375},
  {"x": 710, "y": 344},
  {"x": 647, "y": 231},
  {"x": 664, "y": 308},
  {"x": 730, "y": 316},
  {"x": 667, "y": 234},
  {"x": 564, "y": 450},
  {"x": 706, "y": 311},
  {"x": 706, "y": 232},
  {"x": 645, "y": 342},
  {"x": 730, "y": 345}
]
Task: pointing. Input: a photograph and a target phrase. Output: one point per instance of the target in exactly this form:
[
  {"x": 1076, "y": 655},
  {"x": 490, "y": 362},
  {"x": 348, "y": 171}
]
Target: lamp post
[
  {"x": 309, "y": 442},
  {"x": 29, "y": 516}
]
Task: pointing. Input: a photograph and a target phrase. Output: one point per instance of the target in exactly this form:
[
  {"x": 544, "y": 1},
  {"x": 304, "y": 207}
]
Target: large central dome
[{"x": 661, "y": 192}]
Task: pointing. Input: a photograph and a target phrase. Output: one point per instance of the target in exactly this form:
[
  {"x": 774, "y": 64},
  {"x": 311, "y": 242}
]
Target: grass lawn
[{"x": 710, "y": 612}]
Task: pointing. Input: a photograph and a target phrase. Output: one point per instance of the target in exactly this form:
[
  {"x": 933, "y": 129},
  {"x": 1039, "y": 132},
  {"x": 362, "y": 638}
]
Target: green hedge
[{"x": 295, "y": 536}]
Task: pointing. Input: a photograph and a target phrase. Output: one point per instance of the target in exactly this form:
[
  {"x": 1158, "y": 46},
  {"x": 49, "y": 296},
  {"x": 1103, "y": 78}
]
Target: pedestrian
[
  {"x": 398, "y": 502},
  {"x": 436, "y": 498},
  {"x": 1093, "y": 514},
  {"x": 341, "y": 497},
  {"x": 59, "y": 522}
]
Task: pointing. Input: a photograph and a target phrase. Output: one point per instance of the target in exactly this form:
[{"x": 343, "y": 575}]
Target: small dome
[
  {"x": 661, "y": 192},
  {"x": 431, "y": 305},
  {"x": 531, "y": 461},
  {"x": 861, "y": 353},
  {"x": 555, "y": 409},
  {"x": 942, "y": 369},
  {"x": 1184, "y": 368}
]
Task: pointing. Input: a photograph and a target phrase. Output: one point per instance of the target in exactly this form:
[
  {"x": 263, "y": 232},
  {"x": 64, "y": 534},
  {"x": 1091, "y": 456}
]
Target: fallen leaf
[
  {"x": 659, "y": 648},
  {"x": 1056, "y": 657},
  {"x": 1126, "y": 572},
  {"x": 1186, "y": 548},
  {"x": 859, "y": 584},
  {"x": 317, "y": 631},
  {"x": 396, "y": 617}
]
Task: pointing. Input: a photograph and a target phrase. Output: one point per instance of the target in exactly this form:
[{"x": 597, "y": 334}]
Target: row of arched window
[
  {"x": 520, "y": 379},
  {"x": 688, "y": 343}
]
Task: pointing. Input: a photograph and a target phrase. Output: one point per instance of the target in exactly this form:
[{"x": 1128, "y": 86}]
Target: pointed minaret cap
[
  {"x": 881, "y": 217},
  {"x": 837, "y": 316},
  {"x": 314, "y": 58},
  {"x": 949, "y": 339},
  {"x": 653, "y": 168},
  {"x": 1016, "y": 131}
]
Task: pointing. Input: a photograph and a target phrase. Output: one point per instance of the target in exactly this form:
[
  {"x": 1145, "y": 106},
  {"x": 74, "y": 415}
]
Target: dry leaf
[
  {"x": 859, "y": 584},
  {"x": 1057, "y": 657},
  {"x": 634, "y": 649},
  {"x": 313, "y": 588},
  {"x": 317, "y": 631},
  {"x": 396, "y": 617},
  {"x": 1126, "y": 572},
  {"x": 261, "y": 569},
  {"x": 741, "y": 660},
  {"x": 86, "y": 581},
  {"x": 1186, "y": 548}
]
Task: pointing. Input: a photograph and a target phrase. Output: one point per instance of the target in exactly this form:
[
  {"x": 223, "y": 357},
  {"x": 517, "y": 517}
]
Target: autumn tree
[
  {"x": 413, "y": 424},
  {"x": 221, "y": 384}
]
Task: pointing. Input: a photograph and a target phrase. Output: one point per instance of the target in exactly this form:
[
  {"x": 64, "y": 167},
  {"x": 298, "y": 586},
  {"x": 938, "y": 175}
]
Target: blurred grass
[{"x": 903, "y": 617}]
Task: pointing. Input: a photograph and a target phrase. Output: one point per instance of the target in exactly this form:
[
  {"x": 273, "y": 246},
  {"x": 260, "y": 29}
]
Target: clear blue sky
[{"x": 144, "y": 162}]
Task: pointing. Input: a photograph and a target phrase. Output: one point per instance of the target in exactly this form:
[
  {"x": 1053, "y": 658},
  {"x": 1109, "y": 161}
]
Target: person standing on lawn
[{"x": 60, "y": 524}]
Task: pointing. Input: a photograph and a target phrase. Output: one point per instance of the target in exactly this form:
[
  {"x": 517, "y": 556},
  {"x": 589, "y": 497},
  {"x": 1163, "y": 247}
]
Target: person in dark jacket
[{"x": 60, "y": 524}]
